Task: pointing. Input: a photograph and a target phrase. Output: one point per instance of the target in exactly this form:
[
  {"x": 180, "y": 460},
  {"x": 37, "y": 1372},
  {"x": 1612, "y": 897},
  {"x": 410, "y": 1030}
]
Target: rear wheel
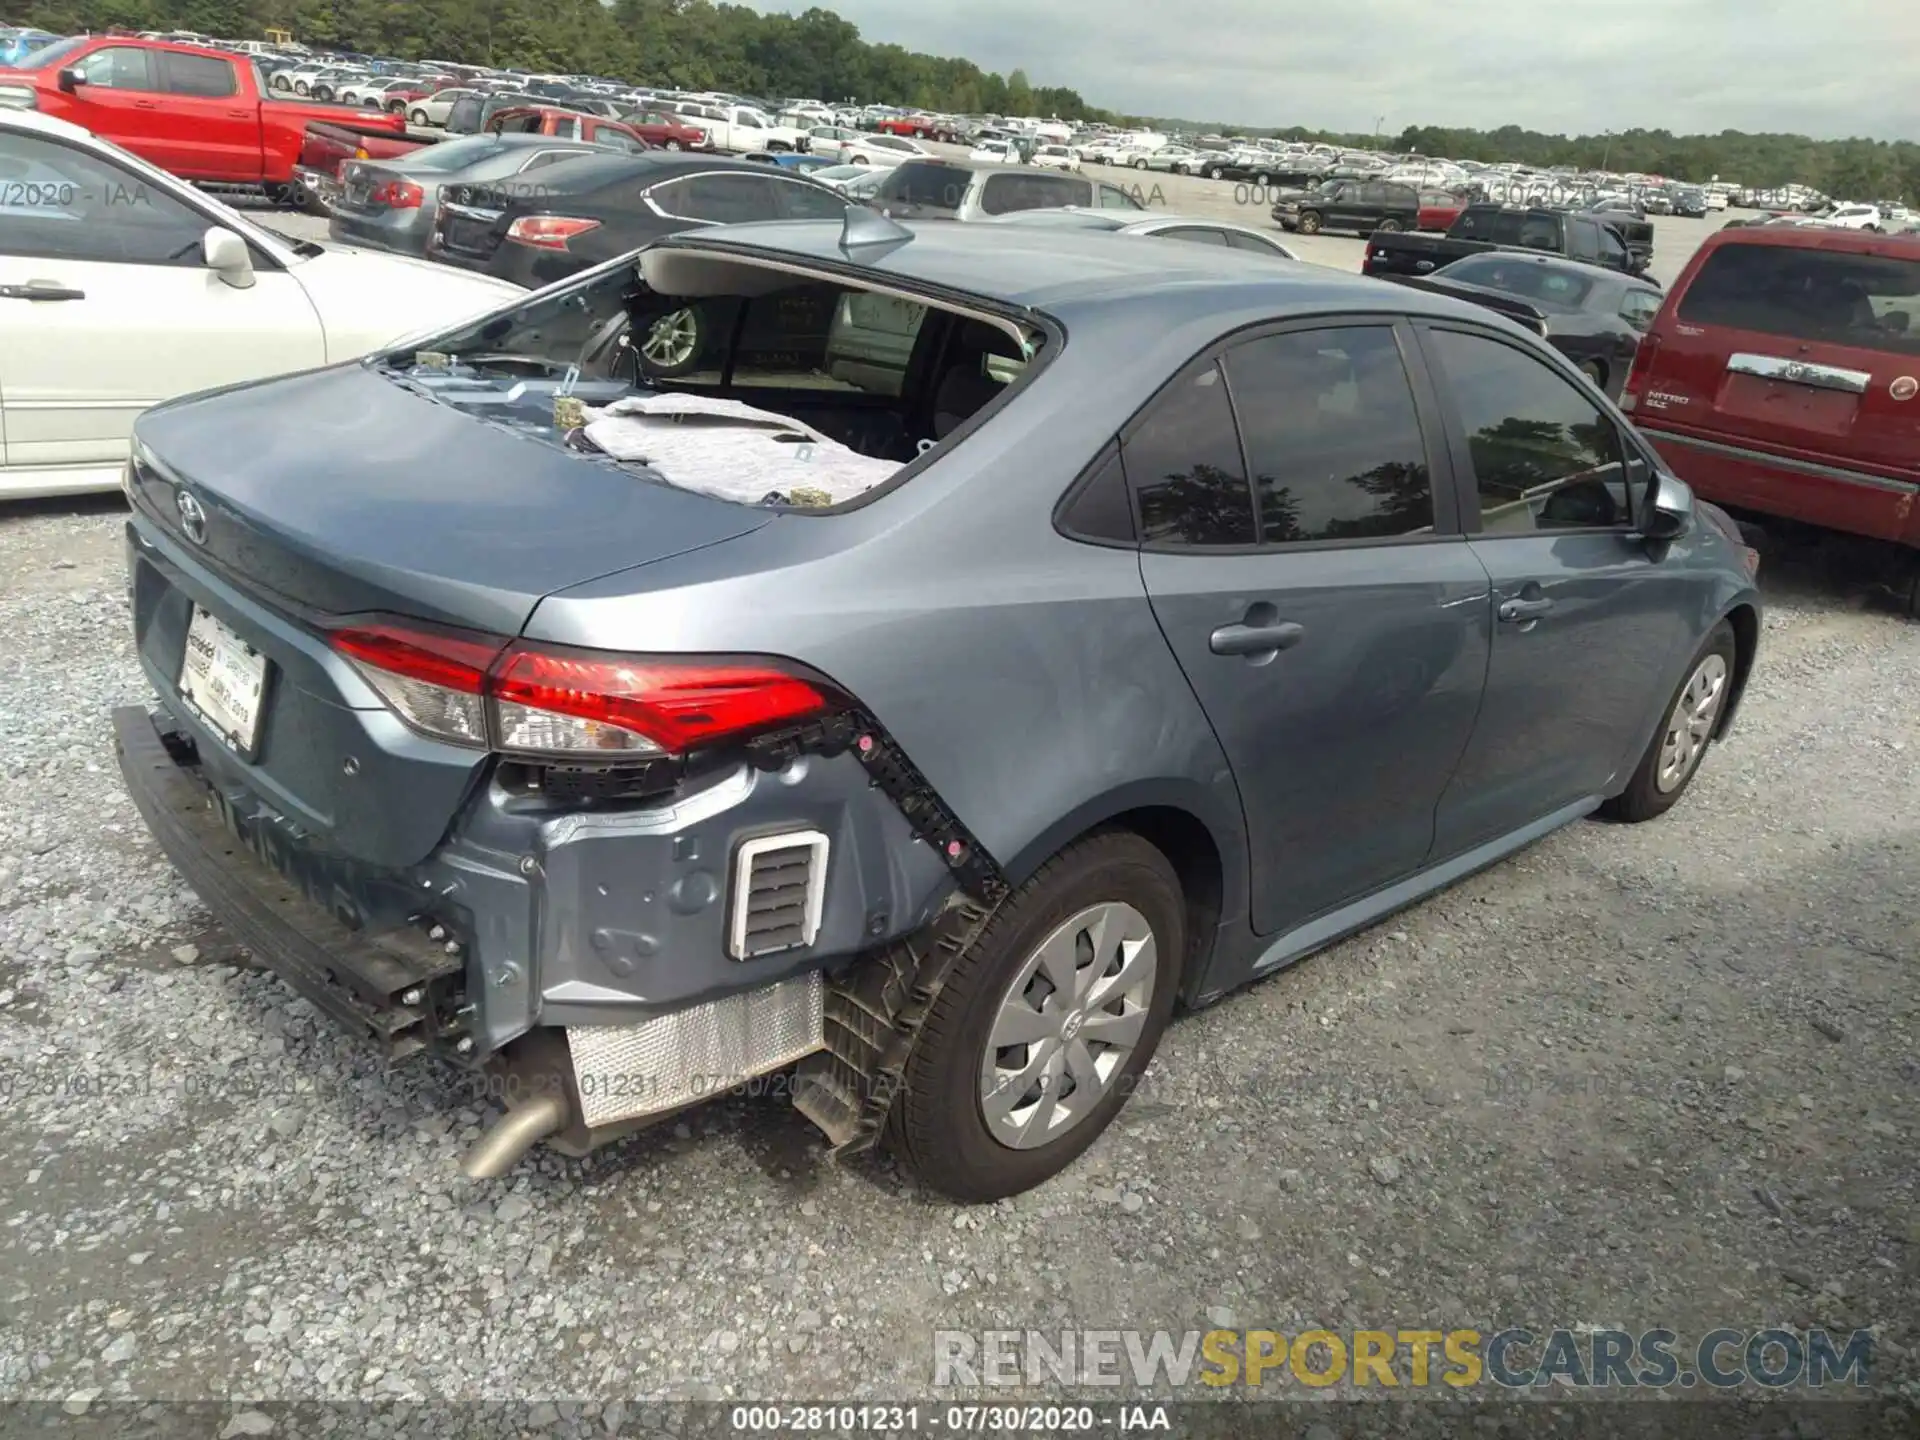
[
  {"x": 1045, "y": 1023},
  {"x": 672, "y": 344},
  {"x": 1140, "y": 164},
  {"x": 1674, "y": 754},
  {"x": 1309, "y": 222},
  {"x": 672, "y": 145},
  {"x": 419, "y": 117},
  {"x": 1389, "y": 227},
  {"x": 323, "y": 92},
  {"x": 1213, "y": 172}
]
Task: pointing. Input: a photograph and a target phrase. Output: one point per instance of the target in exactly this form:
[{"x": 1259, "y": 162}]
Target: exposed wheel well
[
  {"x": 1746, "y": 643},
  {"x": 1189, "y": 848}
]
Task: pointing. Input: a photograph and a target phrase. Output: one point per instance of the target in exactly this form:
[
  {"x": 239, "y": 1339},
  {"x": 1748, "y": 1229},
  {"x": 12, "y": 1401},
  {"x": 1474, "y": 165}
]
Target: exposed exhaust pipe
[{"x": 513, "y": 1135}]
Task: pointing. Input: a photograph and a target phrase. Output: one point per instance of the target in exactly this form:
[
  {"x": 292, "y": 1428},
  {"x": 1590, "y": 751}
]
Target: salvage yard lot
[{"x": 1639, "y": 1076}]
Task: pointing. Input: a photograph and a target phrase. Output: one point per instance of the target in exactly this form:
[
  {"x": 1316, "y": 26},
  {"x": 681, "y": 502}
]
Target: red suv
[{"x": 1782, "y": 375}]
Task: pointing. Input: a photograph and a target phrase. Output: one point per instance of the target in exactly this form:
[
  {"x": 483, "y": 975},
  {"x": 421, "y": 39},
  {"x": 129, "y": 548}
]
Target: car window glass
[
  {"x": 1639, "y": 307},
  {"x": 118, "y": 67},
  {"x": 203, "y": 75},
  {"x": 1193, "y": 232},
  {"x": 1184, "y": 465},
  {"x": 1112, "y": 197},
  {"x": 800, "y": 201},
  {"x": 718, "y": 199},
  {"x": 1544, "y": 456},
  {"x": 1004, "y": 194},
  {"x": 80, "y": 207},
  {"x": 1332, "y": 435},
  {"x": 1868, "y": 301},
  {"x": 617, "y": 140}
]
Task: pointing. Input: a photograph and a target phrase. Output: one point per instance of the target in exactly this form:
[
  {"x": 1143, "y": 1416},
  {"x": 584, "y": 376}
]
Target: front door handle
[
  {"x": 1521, "y": 610},
  {"x": 41, "y": 290},
  {"x": 1255, "y": 639}
]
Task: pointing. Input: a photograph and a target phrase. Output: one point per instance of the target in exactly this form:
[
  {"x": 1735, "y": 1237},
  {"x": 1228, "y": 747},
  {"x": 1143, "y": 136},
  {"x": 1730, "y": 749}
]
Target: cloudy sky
[{"x": 1828, "y": 68}]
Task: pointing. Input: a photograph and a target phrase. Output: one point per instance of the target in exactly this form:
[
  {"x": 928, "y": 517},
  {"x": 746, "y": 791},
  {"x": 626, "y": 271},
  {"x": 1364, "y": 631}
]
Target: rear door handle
[
  {"x": 1255, "y": 639},
  {"x": 40, "y": 290},
  {"x": 1519, "y": 610}
]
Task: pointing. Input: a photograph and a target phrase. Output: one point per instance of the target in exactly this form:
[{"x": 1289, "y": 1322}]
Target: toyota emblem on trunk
[{"x": 193, "y": 519}]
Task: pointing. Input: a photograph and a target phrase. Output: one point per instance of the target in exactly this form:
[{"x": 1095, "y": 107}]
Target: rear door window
[
  {"x": 1332, "y": 436},
  {"x": 1870, "y": 302},
  {"x": 1194, "y": 232},
  {"x": 203, "y": 75},
  {"x": 1185, "y": 468},
  {"x": 717, "y": 199}
]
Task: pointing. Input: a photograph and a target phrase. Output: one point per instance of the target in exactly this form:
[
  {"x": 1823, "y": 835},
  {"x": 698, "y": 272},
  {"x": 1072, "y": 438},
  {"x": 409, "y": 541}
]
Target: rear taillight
[
  {"x": 397, "y": 195},
  {"x": 520, "y": 698},
  {"x": 1637, "y": 375},
  {"x": 548, "y": 232}
]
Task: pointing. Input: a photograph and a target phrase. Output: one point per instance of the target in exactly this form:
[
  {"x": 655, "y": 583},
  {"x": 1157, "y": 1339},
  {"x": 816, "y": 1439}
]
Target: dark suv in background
[{"x": 1360, "y": 205}]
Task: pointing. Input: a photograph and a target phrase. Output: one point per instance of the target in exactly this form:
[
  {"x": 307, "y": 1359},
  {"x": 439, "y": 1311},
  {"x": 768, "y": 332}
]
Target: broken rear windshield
[{"x": 779, "y": 389}]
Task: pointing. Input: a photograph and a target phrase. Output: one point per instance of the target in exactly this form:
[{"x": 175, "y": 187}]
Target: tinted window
[
  {"x": 1869, "y": 301},
  {"x": 1193, "y": 232},
  {"x": 1184, "y": 464},
  {"x": 1612, "y": 252},
  {"x": 1240, "y": 240},
  {"x": 925, "y": 183},
  {"x": 83, "y": 208},
  {"x": 717, "y": 199},
  {"x": 1102, "y": 510},
  {"x": 1557, "y": 286},
  {"x": 1638, "y": 307},
  {"x": 1003, "y": 194},
  {"x": 118, "y": 67},
  {"x": 614, "y": 139},
  {"x": 198, "y": 75},
  {"x": 800, "y": 201},
  {"x": 1544, "y": 457},
  {"x": 1332, "y": 435},
  {"x": 1112, "y": 197}
]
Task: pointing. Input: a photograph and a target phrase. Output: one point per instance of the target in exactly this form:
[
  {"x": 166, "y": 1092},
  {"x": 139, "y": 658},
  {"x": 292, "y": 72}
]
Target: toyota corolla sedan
[{"x": 928, "y": 707}]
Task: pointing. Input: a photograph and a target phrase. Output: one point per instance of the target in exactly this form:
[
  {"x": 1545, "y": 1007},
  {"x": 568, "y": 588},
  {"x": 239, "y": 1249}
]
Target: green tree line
[{"x": 697, "y": 45}]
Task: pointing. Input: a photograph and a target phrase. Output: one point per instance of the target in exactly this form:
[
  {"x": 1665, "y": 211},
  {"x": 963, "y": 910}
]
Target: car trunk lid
[{"x": 466, "y": 516}]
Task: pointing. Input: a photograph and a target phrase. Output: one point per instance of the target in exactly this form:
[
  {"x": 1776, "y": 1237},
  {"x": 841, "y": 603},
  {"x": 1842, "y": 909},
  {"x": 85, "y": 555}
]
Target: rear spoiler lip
[{"x": 1531, "y": 316}]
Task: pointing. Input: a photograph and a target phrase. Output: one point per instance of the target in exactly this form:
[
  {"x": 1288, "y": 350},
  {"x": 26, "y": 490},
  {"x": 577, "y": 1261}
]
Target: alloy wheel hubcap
[
  {"x": 1067, "y": 1025},
  {"x": 1690, "y": 726},
  {"x": 671, "y": 340}
]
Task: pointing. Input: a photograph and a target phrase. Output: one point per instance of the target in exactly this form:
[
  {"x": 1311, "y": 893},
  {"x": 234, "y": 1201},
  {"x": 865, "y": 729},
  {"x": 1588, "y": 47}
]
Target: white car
[
  {"x": 885, "y": 151},
  {"x": 995, "y": 152},
  {"x": 122, "y": 286},
  {"x": 435, "y": 108},
  {"x": 1856, "y": 217},
  {"x": 1055, "y": 157}
]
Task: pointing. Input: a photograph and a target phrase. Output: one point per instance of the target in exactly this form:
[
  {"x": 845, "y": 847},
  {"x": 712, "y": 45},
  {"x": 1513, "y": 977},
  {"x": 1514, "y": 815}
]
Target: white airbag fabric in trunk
[{"x": 729, "y": 449}]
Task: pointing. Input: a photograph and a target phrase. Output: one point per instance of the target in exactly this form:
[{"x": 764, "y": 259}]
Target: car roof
[
  {"x": 1060, "y": 269},
  {"x": 1816, "y": 237},
  {"x": 1549, "y": 262}
]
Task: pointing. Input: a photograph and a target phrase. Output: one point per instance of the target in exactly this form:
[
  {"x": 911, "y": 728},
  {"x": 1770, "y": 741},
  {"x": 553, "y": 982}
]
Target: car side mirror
[
  {"x": 70, "y": 79},
  {"x": 1669, "y": 512},
  {"x": 227, "y": 255}
]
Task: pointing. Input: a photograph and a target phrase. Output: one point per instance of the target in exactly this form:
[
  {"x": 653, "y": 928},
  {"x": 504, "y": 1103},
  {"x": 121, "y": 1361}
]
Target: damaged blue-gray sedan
[{"x": 913, "y": 660}]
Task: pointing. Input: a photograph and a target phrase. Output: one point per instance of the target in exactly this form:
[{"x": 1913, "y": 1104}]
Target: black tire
[
  {"x": 1140, "y": 164},
  {"x": 322, "y": 92},
  {"x": 1643, "y": 799},
  {"x": 1388, "y": 227},
  {"x": 419, "y": 117},
  {"x": 1263, "y": 181},
  {"x": 1596, "y": 371},
  {"x": 936, "y": 1126},
  {"x": 1309, "y": 222},
  {"x": 1213, "y": 172},
  {"x": 671, "y": 145}
]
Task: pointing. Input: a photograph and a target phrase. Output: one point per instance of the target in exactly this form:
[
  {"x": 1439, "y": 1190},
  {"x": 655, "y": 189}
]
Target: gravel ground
[{"x": 1638, "y": 1076}]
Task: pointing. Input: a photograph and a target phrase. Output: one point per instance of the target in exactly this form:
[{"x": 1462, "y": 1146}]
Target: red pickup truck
[
  {"x": 567, "y": 125},
  {"x": 201, "y": 114},
  {"x": 918, "y": 127}
]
